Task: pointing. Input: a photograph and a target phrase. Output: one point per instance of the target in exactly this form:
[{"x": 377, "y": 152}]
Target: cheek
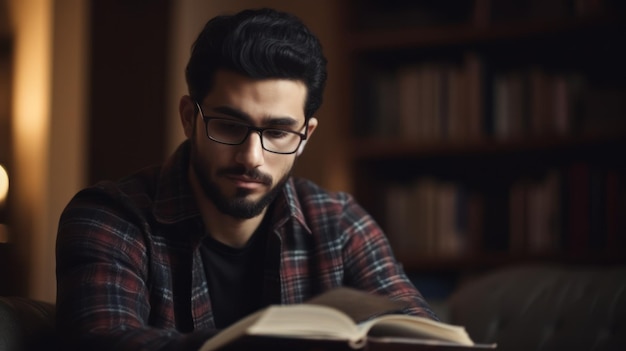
[
  {"x": 214, "y": 157},
  {"x": 207, "y": 157},
  {"x": 281, "y": 166}
]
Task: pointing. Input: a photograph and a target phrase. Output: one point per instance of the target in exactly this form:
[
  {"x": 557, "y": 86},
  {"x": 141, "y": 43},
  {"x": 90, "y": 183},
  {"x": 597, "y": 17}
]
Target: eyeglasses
[{"x": 230, "y": 132}]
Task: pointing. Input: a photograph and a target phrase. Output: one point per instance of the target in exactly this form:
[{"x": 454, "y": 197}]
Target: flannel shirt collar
[
  {"x": 175, "y": 202},
  {"x": 287, "y": 205}
]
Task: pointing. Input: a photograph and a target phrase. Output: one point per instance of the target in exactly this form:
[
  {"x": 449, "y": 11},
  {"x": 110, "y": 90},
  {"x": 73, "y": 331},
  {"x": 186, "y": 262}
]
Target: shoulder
[
  {"x": 311, "y": 196},
  {"x": 328, "y": 210},
  {"x": 109, "y": 220},
  {"x": 130, "y": 196}
]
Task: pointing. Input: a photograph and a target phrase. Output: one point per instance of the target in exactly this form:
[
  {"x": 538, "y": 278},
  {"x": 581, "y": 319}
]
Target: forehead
[{"x": 256, "y": 98}]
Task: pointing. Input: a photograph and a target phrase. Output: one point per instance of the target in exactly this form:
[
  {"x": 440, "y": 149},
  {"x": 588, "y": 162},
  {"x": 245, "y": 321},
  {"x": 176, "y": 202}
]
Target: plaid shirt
[{"x": 130, "y": 275}]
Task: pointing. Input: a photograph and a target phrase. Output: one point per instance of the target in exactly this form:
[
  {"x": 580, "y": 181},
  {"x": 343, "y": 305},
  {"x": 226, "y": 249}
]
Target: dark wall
[
  {"x": 129, "y": 41},
  {"x": 8, "y": 271}
]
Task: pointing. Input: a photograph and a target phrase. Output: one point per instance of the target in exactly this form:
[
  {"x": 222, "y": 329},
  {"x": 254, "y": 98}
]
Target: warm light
[
  {"x": 4, "y": 185},
  {"x": 4, "y": 234}
]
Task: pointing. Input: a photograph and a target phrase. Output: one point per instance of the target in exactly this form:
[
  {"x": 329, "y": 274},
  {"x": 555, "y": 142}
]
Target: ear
[
  {"x": 301, "y": 148},
  {"x": 311, "y": 128},
  {"x": 188, "y": 111}
]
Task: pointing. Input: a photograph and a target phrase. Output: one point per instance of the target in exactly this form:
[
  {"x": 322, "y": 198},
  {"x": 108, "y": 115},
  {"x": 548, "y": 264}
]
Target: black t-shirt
[{"x": 235, "y": 277}]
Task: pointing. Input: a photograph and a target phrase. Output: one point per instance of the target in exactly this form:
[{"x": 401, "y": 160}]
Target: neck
[
  {"x": 231, "y": 231},
  {"x": 228, "y": 230}
]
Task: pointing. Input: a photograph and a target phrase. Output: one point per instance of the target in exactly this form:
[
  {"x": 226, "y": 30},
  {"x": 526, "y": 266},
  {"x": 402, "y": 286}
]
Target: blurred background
[
  {"x": 89, "y": 90},
  {"x": 479, "y": 133}
]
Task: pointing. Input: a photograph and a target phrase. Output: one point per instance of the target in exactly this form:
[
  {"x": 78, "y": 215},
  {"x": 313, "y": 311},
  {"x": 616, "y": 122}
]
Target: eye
[
  {"x": 226, "y": 126},
  {"x": 276, "y": 133}
]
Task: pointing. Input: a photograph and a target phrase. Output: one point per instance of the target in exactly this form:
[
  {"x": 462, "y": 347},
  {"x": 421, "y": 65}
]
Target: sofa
[
  {"x": 530, "y": 307},
  {"x": 26, "y": 325},
  {"x": 545, "y": 307}
]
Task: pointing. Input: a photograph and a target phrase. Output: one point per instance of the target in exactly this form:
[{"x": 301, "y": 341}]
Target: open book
[{"x": 336, "y": 316}]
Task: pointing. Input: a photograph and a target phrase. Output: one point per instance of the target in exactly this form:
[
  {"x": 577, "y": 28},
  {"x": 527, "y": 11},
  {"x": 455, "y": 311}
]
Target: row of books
[
  {"x": 577, "y": 209},
  {"x": 442, "y": 101},
  {"x": 425, "y": 218},
  {"x": 541, "y": 10},
  {"x": 420, "y": 13},
  {"x": 533, "y": 102}
]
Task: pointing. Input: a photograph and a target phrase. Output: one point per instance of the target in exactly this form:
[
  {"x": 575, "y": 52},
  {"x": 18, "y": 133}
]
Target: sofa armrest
[
  {"x": 545, "y": 307},
  {"x": 26, "y": 324}
]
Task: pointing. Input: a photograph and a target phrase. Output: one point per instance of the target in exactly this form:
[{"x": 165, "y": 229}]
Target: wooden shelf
[
  {"x": 377, "y": 148},
  {"x": 462, "y": 34}
]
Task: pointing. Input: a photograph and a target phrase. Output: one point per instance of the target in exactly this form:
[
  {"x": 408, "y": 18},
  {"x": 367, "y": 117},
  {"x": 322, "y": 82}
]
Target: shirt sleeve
[
  {"x": 103, "y": 302},
  {"x": 371, "y": 265}
]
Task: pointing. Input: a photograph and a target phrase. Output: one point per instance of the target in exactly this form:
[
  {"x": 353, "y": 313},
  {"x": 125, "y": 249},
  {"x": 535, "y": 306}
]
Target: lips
[
  {"x": 245, "y": 180},
  {"x": 246, "y": 177}
]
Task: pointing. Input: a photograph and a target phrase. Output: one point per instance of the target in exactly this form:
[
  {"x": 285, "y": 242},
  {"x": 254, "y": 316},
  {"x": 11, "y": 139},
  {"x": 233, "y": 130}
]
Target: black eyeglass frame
[{"x": 251, "y": 128}]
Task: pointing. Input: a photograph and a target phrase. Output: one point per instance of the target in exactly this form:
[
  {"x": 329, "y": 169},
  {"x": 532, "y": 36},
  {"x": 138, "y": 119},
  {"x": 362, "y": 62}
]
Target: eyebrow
[{"x": 270, "y": 120}]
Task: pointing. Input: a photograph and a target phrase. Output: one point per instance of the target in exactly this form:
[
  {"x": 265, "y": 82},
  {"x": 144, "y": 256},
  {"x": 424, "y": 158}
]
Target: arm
[
  {"x": 370, "y": 264},
  {"x": 103, "y": 299}
]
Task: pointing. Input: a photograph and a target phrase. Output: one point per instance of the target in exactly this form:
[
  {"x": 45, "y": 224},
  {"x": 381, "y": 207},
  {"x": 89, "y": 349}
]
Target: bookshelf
[{"x": 487, "y": 133}]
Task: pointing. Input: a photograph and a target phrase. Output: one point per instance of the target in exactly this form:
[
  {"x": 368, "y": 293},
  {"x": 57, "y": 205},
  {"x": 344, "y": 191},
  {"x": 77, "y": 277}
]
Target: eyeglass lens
[{"x": 275, "y": 140}]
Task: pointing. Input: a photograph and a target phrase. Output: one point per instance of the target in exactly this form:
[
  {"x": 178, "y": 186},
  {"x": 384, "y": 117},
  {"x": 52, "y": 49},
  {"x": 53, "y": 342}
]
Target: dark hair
[{"x": 262, "y": 43}]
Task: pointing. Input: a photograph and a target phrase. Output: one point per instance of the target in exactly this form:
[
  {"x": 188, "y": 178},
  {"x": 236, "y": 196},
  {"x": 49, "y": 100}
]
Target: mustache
[{"x": 250, "y": 173}]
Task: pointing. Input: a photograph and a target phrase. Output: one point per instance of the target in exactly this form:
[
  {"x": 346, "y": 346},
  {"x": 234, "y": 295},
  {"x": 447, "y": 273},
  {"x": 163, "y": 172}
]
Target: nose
[{"x": 250, "y": 152}]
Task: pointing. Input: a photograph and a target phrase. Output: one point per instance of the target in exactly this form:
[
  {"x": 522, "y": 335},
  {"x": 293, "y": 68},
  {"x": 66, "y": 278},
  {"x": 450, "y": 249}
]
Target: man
[{"x": 162, "y": 259}]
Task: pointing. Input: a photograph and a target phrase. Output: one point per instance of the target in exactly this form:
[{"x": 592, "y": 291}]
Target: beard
[{"x": 237, "y": 206}]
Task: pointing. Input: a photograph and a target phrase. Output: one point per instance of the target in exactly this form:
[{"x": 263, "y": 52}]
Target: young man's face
[{"x": 242, "y": 180}]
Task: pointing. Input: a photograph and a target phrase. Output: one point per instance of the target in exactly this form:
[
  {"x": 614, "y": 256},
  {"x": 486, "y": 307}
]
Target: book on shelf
[
  {"x": 615, "y": 207},
  {"x": 578, "y": 200},
  {"x": 344, "y": 317},
  {"x": 427, "y": 217},
  {"x": 534, "y": 214}
]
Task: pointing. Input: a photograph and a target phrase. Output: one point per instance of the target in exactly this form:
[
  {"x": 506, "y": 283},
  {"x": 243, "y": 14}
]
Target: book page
[
  {"x": 358, "y": 305},
  {"x": 415, "y": 327},
  {"x": 304, "y": 321}
]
